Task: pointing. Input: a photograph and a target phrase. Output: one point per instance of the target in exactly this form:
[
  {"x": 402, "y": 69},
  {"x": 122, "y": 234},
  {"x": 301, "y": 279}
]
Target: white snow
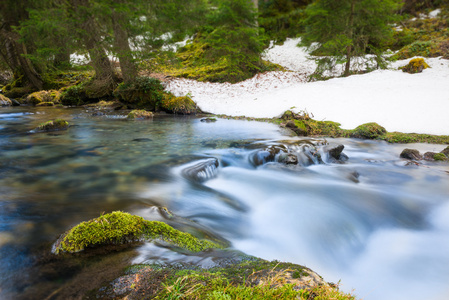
[{"x": 396, "y": 100}]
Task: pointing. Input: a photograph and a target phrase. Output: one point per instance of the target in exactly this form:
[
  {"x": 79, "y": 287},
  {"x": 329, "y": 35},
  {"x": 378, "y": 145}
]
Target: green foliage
[
  {"x": 348, "y": 28},
  {"x": 179, "y": 105},
  {"x": 144, "y": 92},
  {"x": 53, "y": 125},
  {"x": 228, "y": 47},
  {"x": 119, "y": 228},
  {"x": 74, "y": 95},
  {"x": 369, "y": 131},
  {"x": 280, "y": 18}
]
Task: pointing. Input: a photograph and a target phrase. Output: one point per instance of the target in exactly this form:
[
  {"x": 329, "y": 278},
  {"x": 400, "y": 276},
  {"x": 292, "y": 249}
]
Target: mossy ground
[
  {"x": 119, "y": 227},
  {"x": 423, "y": 37}
]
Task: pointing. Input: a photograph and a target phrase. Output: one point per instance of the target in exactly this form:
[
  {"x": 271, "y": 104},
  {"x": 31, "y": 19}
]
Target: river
[{"x": 378, "y": 225}]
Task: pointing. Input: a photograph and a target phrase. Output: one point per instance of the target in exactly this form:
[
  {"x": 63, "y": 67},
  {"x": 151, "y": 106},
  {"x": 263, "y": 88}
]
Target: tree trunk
[
  {"x": 14, "y": 53},
  {"x": 350, "y": 36},
  {"x": 92, "y": 40},
  {"x": 121, "y": 44}
]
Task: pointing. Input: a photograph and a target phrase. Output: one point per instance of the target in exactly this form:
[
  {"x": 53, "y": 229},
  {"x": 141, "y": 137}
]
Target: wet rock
[
  {"x": 411, "y": 154},
  {"x": 429, "y": 156},
  {"x": 202, "y": 170},
  {"x": 288, "y": 159}
]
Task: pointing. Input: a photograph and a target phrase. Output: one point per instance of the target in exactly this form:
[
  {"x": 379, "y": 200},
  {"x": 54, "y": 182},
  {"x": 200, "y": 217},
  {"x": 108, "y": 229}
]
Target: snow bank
[{"x": 396, "y": 100}]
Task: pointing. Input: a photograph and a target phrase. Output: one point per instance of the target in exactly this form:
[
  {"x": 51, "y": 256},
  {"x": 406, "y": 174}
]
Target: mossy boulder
[
  {"x": 140, "y": 114},
  {"x": 121, "y": 228},
  {"x": 179, "y": 105},
  {"x": 246, "y": 278},
  {"x": 51, "y": 96},
  {"x": 303, "y": 125},
  {"x": 416, "y": 65},
  {"x": 54, "y": 125},
  {"x": 369, "y": 131},
  {"x": 5, "y": 101},
  {"x": 432, "y": 156}
]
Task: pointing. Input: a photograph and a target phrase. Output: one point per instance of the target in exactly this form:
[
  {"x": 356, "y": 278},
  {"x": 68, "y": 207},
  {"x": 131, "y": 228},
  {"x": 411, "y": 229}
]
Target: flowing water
[{"x": 376, "y": 223}]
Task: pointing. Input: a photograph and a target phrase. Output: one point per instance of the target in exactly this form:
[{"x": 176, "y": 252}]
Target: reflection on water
[{"x": 373, "y": 222}]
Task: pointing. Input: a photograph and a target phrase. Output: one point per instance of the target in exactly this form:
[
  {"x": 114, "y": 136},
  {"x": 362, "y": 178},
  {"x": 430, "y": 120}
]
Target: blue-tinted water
[{"x": 373, "y": 222}]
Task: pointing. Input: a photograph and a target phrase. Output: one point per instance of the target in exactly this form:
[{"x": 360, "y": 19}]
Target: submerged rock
[
  {"x": 119, "y": 228},
  {"x": 208, "y": 120},
  {"x": 411, "y": 154}
]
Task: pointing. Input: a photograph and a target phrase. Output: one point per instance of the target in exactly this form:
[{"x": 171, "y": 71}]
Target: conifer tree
[{"x": 349, "y": 28}]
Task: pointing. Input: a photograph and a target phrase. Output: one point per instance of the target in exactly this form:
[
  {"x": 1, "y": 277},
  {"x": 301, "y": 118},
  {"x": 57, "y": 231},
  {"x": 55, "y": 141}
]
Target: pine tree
[{"x": 349, "y": 28}]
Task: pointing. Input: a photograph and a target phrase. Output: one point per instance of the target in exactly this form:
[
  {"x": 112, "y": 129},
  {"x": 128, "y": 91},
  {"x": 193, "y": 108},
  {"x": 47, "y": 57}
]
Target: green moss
[
  {"x": 54, "y": 125},
  {"x": 119, "y": 227},
  {"x": 179, "y": 105},
  {"x": 250, "y": 279},
  {"x": 405, "y": 138},
  {"x": 416, "y": 65},
  {"x": 140, "y": 114},
  {"x": 369, "y": 131},
  {"x": 74, "y": 95},
  {"x": 440, "y": 157},
  {"x": 144, "y": 92}
]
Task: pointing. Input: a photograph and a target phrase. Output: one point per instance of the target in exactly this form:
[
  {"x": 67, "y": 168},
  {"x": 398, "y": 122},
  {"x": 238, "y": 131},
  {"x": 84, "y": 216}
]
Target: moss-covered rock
[
  {"x": 179, "y": 105},
  {"x": 140, "y": 114},
  {"x": 54, "y": 125},
  {"x": 416, "y": 65},
  {"x": 5, "y": 101},
  {"x": 303, "y": 125},
  {"x": 248, "y": 278},
  {"x": 121, "y": 228},
  {"x": 368, "y": 131},
  {"x": 37, "y": 98}
]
